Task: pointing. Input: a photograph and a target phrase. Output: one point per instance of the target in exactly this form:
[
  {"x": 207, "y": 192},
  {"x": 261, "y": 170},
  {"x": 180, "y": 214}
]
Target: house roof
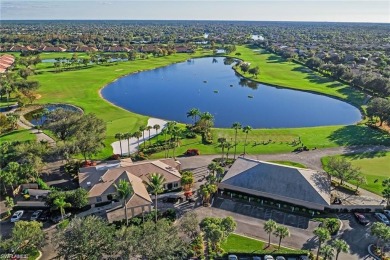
[
  {"x": 281, "y": 182},
  {"x": 99, "y": 179}
]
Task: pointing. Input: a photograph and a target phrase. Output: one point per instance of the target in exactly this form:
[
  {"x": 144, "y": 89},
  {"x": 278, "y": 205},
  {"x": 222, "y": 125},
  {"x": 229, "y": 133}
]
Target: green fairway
[
  {"x": 374, "y": 166},
  {"x": 18, "y": 135},
  {"x": 277, "y": 71},
  {"x": 263, "y": 141},
  {"x": 236, "y": 244}
]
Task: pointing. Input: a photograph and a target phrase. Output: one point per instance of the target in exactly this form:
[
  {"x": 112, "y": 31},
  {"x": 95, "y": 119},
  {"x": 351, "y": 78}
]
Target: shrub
[{"x": 42, "y": 185}]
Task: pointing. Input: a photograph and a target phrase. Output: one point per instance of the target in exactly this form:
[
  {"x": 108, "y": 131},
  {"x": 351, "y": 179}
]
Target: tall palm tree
[
  {"x": 323, "y": 235},
  {"x": 137, "y": 134},
  {"x": 269, "y": 227},
  {"x": 156, "y": 127},
  {"x": 119, "y": 136},
  {"x": 164, "y": 131},
  {"x": 170, "y": 128},
  {"x": 61, "y": 204},
  {"x": 128, "y": 136},
  {"x": 206, "y": 190},
  {"x": 327, "y": 252},
  {"x": 222, "y": 144},
  {"x": 236, "y": 126},
  {"x": 148, "y": 128},
  {"x": 246, "y": 130},
  {"x": 142, "y": 130},
  {"x": 176, "y": 133},
  {"x": 193, "y": 113},
  {"x": 207, "y": 120},
  {"x": 156, "y": 186},
  {"x": 281, "y": 232},
  {"x": 228, "y": 147},
  {"x": 124, "y": 191},
  {"x": 340, "y": 246}
]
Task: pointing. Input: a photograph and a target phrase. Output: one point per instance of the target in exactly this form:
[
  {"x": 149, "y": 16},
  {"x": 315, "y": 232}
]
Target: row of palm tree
[
  {"x": 270, "y": 227},
  {"x": 137, "y": 134},
  {"x": 327, "y": 252},
  {"x": 237, "y": 126}
]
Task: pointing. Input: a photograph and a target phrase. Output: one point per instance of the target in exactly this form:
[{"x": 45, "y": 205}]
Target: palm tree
[
  {"x": 127, "y": 136},
  {"x": 137, "y": 134},
  {"x": 156, "y": 186},
  {"x": 246, "y": 130},
  {"x": 269, "y": 227},
  {"x": 61, "y": 204},
  {"x": 176, "y": 133},
  {"x": 148, "y": 128},
  {"x": 124, "y": 191},
  {"x": 222, "y": 144},
  {"x": 323, "y": 235},
  {"x": 281, "y": 232},
  {"x": 206, "y": 190},
  {"x": 236, "y": 126},
  {"x": 164, "y": 131},
  {"x": 9, "y": 203},
  {"x": 156, "y": 127},
  {"x": 340, "y": 246},
  {"x": 206, "y": 120},
  {"x": 228, "y": 147},
  {"x": 327, "y": 252},
  {"x": 193, "y": 113},
  {"x": 119, "y": 136},
  {"x": 170, "y": 128},
  {"x": 142, "y": 130}
]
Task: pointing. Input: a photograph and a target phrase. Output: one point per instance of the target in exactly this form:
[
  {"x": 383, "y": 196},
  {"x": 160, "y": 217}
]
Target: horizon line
[{"x": 198, "y": 20}]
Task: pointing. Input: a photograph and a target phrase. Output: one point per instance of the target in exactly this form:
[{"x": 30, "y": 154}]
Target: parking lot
[{"x": 261, "y": 212}]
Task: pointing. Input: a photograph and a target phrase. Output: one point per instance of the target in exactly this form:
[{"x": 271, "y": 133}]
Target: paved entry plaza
[{"x": 262, "y": 212}]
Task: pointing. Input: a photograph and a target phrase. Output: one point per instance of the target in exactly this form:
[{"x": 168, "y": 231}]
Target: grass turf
[
  {"x": 277, "y": 71},
  {"x": 236, "y": 244},
  {"x": 374, "y": 166},
  {"x": 18, "y": 135}
]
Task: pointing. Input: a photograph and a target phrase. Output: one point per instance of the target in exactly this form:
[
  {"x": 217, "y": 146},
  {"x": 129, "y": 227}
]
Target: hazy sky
[{"x": 255, "y": 10}]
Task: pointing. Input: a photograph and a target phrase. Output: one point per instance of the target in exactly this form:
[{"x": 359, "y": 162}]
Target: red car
[
  {"x": 361, "y": 219},
  {"x": 192, "y": 152}
]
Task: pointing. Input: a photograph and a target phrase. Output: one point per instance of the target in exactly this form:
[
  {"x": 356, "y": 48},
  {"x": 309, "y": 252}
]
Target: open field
[
  {"x": 81, "y": 88},
  {"x": 374, "y": 166},
  {"x": 239, "y": 244},
  {"x": 277, "y": 71}
]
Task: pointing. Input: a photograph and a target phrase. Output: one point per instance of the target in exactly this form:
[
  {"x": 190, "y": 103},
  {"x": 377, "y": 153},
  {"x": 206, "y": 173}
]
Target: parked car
[
  {"x": 387, "y": 213},
  {"x": 192, "y": 152},
  {"x": 17, "y": 215},
  {"x": 268, "y": 257},
  {"x": 256, "y": 258},
  {"x": 361, "y": 219},
  {"x": 57, "y": 219},
  {"x": 171, "y": 199},
  {"x": 381, "y": 217},
  {"x": 232, "y": 257},
  {"x": 44, "y": 216},
  {"x": 280, "y": 258},
  {"x": 36, "y": 214}
]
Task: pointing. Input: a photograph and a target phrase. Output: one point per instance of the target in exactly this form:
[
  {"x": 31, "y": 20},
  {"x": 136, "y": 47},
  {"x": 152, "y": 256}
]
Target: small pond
[
  {"x": 49, "y": 108},
  {"x": 210, "y": 84}
]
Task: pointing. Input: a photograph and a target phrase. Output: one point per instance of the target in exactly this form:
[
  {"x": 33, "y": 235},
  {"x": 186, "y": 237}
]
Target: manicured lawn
[
  {"x": 236, "y": 244},
  {"x": 281, "y": 139},
  {"x": 18, "y": 135},
  {"x": 277, "y": 71},
  {"x": 374, "y": 166},
  {"x": 289, "y": 163}
]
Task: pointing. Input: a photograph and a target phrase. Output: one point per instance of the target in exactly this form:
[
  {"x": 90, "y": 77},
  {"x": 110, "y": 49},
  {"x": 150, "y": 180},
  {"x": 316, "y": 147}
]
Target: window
[
  {"x": 175, "y": 185},
  {"x": 98, "y": 199}
]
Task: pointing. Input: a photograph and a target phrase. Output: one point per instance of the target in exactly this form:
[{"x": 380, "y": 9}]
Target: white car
[
  {"x": 381, "y": 217},
  {"x": 268, "y": 257},
  {"x": 17, "y": 215},
  {"x": 232, "y": 257},
  {"x": 36, "y": 214}
]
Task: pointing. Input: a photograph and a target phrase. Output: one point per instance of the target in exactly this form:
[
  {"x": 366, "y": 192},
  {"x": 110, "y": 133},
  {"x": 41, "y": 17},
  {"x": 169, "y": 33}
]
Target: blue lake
[{"x": 210, "y": 85}]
